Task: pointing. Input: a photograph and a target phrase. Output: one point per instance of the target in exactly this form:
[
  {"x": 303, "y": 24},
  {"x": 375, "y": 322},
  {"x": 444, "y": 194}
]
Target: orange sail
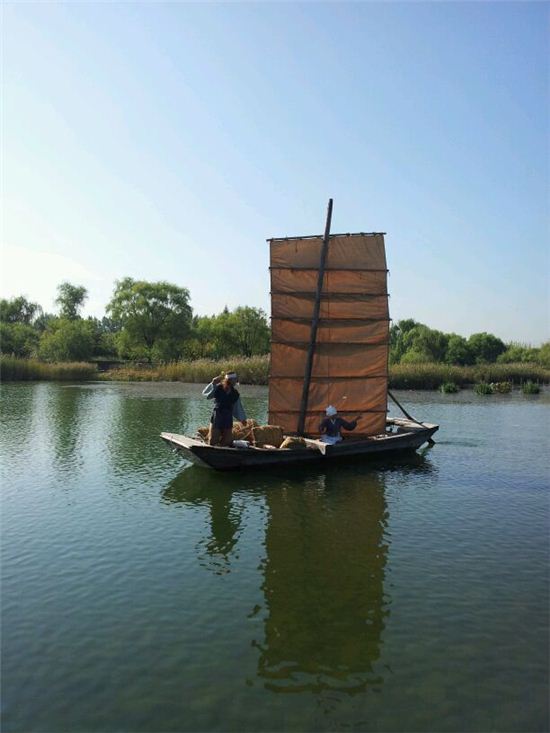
[{"x": 350, "y": 358}]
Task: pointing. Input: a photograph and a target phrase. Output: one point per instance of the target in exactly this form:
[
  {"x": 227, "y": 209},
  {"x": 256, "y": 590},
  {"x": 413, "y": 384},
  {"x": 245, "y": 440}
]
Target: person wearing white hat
[
  {"x": 332, "y": 424},
  {"x": 227, "y": 405}
]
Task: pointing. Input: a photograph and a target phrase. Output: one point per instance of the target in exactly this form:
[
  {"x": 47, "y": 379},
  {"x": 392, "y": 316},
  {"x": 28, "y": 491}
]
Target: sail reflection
[{"x": 326, "y": 554}]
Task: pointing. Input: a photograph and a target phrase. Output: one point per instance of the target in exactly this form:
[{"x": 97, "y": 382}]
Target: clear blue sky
[{"x": 169, "y": 140}]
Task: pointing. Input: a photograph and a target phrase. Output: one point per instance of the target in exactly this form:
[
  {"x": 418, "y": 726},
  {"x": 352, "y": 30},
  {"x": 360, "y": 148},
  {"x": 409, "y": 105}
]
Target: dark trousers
[{"x": 220, "y": 436}]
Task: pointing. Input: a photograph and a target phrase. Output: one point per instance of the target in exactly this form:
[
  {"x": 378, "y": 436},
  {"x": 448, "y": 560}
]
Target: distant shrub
[
  {"x": 483, "y": 388},
  {"x": 530, "y": 388},
  {"x": 502, "y": 387},
  {"x": 449, "y": 388}
]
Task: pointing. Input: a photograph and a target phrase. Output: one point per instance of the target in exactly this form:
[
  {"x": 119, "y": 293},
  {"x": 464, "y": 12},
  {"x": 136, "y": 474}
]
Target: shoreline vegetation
[
  {"x": 254, "y": 370},
  {"x": 149, "y": 333}
]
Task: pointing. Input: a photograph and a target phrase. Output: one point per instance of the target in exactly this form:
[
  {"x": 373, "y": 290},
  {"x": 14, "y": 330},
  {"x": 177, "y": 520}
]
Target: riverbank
[{"x": 255, "y": 370}]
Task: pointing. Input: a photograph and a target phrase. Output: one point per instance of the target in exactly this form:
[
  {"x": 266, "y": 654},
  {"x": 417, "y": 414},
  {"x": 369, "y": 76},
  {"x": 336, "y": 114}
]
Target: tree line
[
  {"x": 415, "y": 343},
  {"x": 154, "y": 321},
  {"x": 151, "y": 321}
]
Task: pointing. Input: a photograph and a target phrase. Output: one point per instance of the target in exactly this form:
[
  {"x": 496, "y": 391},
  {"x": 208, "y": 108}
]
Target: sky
[{"x": 168, "y": 141}]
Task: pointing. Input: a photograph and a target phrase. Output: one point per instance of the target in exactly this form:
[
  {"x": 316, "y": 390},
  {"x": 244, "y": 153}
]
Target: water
[{"x": 143, "y": 595}]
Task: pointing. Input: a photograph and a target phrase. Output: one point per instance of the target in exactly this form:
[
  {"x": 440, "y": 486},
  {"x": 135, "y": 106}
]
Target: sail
[{"x": 350, "y": 363}]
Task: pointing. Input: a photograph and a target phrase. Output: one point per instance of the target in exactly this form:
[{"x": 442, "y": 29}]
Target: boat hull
[{"x": 408, "y": 436}]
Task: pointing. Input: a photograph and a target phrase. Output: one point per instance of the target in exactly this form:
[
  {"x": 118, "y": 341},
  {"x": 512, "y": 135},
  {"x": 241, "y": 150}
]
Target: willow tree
[
  {"x": 154, "y": 317},
  {"x": 70, "y": 299}
]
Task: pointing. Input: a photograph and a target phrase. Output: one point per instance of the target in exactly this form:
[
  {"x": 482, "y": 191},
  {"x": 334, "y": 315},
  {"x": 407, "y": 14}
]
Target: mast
[{"x": 314, "y": 322}]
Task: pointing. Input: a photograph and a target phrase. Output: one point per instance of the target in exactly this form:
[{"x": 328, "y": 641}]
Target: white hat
[{"x": 331, "y": 411}]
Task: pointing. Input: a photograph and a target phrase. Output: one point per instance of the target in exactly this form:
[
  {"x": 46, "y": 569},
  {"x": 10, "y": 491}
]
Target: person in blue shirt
[
  {"x": 227, "y": 405},
  {"x": 331, "y": 426}
]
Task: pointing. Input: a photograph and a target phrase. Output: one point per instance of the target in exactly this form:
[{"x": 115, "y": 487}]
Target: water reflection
[
  {"x": 326, "y": 553},
  {"x": 225, "y": 515},
  {"x": 65, "y": 412},
  {"x": 135, "y": 423},
  {"x": 326, "y": 545}
]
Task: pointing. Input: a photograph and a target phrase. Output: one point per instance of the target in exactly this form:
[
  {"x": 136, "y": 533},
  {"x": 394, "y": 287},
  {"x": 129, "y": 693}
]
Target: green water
[{"x": 141, "y": 594}]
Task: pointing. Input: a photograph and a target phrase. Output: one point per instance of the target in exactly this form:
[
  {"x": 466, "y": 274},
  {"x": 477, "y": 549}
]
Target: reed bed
[
  {"x": 255, "y": 370},
  {"x": 433, "y": 376},
  {"x": 251, "y": 370},
  {"x": 13, "y": 369}
]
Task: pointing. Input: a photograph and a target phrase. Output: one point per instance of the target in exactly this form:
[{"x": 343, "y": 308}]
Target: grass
[
  {"x": 13, "y": 369},
  {"x": 530, "y": 388}
]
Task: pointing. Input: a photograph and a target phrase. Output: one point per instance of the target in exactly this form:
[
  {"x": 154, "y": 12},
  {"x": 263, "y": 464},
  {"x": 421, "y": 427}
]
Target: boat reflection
[{"x": 326, "y": 601}]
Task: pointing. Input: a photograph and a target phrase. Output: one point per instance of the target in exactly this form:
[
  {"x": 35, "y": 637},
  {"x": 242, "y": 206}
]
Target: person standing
[{"x": 227, "y": 405}]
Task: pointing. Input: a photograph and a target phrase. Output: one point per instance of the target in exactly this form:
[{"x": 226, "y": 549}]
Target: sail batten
[{"x": 350, "y": 360}]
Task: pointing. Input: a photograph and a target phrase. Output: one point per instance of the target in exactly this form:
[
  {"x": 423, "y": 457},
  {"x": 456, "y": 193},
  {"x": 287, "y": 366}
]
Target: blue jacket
[
  {"x": 238, "y": 410},
  {"x": 332, "y": 425}
]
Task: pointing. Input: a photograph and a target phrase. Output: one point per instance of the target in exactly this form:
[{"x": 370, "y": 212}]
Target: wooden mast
[{"x": 314, "y": 323}]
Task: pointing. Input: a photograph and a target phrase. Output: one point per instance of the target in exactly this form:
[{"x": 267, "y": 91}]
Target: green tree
[
  {"x": 241, "y": 332},
  {"x": 105, "y": 337},
  {"x": 250, "y": 330},
  {"x": 485, "y": 347},
  {"x": 18, "y": 339},
  {"x": 424, "y": 344},
  {"x": 155, "y": 318},
  {"x": 458, "y": 351},
  {"x": 200, "y": 343},
  {"x": 70, "y": 299},
  {"x": 413, "y": 356},
  {"x": 42, "y": 321},
  {"x": 397, "y": 335},
  {"x": 518, "y": 353},
  {"x": 19, "y": 310},
  {"x": 67, "y": 339}
]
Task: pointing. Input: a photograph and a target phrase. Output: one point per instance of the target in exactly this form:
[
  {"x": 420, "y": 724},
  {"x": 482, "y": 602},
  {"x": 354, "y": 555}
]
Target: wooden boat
[
  {"x": 402, "y": 435},
  {"x": 329, "y": 345}
]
